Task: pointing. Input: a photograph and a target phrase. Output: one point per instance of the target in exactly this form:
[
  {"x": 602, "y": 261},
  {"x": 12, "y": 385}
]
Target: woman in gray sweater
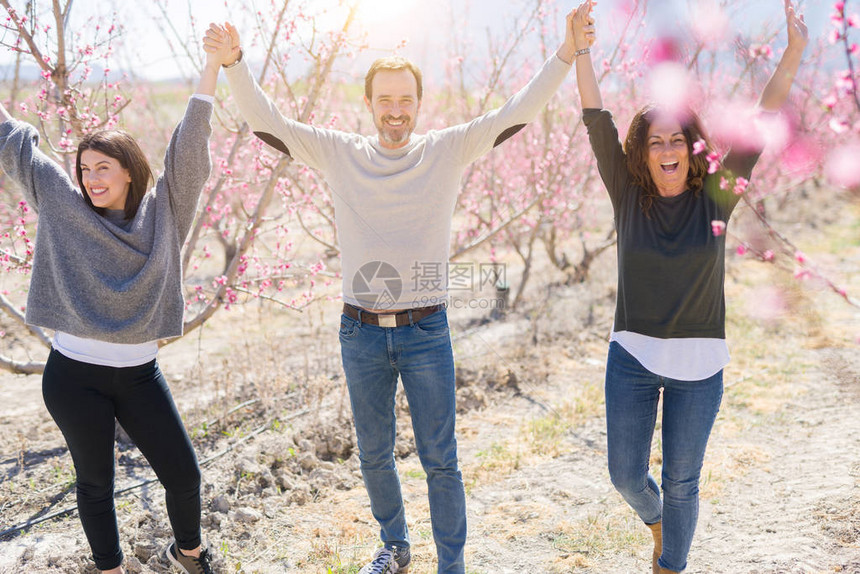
[{"x": 107, "y": 279}]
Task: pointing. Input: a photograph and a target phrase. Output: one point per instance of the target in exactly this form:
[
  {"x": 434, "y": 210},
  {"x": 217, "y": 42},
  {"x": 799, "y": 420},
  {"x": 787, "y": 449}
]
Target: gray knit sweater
[
  {"x": 394, "y": 208},
  {"x": 93, "y": 278}
]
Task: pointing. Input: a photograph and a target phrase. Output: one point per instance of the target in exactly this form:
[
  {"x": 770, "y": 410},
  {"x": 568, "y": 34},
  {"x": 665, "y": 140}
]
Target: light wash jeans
[
  {"x": 689, "y": 411},
  {"x": 421, "y": 354}
]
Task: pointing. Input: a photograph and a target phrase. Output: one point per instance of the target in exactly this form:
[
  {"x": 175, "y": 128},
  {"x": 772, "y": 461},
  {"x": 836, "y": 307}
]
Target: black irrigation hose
[{"x": 259, "y": 430}]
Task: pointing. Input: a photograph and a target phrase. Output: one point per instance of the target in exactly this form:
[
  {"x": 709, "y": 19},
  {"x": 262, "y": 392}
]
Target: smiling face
[
  {"x": 668, "y": 155},
  {"x": 394, "y": 103},
  {"x": 104, "y": 179}
]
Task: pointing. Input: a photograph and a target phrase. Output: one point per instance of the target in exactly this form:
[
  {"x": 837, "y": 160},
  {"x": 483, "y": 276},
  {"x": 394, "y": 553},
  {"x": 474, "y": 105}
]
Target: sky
[{"x": 425, "y": 25}]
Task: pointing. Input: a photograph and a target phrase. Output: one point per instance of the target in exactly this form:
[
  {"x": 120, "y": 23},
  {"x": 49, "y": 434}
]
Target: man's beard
[{"x": 387, "y": 132}]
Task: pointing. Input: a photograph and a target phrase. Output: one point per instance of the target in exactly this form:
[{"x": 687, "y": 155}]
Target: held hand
[
  {"x": 581, "y": 25},
  {"x": 221, "y": 44},
  {"x": 798, "y": 35}
]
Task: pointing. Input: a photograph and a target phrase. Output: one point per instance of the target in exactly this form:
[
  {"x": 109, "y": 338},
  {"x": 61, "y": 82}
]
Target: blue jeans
[
  {"x": 689, "y": 411},
  {"x": 421, "y": 354}
]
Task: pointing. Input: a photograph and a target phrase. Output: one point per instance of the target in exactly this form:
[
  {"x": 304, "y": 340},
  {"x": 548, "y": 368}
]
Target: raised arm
[
  {"x": 187, "y": 162},
  {"x": 776, "y": 91},
  {"x": 312, "y": 146},
  {"x": 37, "y": 175},
  {"x": 581, "y": 23},
  {"x": 209, "y": 76}
]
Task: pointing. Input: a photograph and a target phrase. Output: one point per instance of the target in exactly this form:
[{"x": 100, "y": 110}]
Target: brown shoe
[{"x": 657, "y": 533}]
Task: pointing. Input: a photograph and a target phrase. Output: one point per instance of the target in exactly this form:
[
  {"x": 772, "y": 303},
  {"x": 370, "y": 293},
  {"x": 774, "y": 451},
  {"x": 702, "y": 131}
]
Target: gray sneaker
[
  {"x": 189, "y": 564},
  {"x": 394, "y": 560}
]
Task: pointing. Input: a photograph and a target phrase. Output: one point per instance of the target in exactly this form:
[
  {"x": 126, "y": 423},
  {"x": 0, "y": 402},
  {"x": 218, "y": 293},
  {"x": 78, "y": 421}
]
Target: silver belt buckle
[{"x": 389, "y": 320}]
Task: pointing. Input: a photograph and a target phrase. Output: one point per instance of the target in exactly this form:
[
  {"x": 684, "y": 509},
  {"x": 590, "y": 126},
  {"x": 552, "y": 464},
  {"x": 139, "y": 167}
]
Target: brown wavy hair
[
  {"x": 636, "y": 151},
  {"x": 392, "y": 64},
  {"x": 122, "y": 147}
]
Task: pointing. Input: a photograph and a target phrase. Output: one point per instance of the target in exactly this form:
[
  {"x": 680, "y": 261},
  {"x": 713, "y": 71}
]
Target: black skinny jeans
[{"x": 84, "y": 400}]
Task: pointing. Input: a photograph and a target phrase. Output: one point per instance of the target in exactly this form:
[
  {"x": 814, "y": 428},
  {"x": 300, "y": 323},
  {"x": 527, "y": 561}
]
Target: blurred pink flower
[
  {"x": 740, "y": 186},
  {"x": 708, "y": 20},
  {"x": 671, "y": 87},
  {"x": 773, "y": 130},
  {"x": 802, "y": 157},
  {"x": 799, "y": 257},
  {"x": 842, "y": 167},
  {"x": 766, "y": 303},
  {"x": 663, "y": 49},
  {"x": 761, "y": 50},
  {"x": 838, "y": 125},
  {"x": 699, "y": 146},
  {"x": 767, "y": 255},
  {"x": 718, "y": 227},
  {"x": 741, "y": 250}
]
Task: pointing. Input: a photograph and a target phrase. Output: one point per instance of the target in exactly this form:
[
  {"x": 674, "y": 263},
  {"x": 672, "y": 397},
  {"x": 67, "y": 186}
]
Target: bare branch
[
  {"x": 7, "y": 306},
  {"x": 27, "y": 36},
  {"x": 19, "y": 368}
]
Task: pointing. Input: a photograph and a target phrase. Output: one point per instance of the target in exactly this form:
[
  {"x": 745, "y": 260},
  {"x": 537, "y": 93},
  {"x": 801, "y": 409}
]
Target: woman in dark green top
[{"x": 667, "y": 188}]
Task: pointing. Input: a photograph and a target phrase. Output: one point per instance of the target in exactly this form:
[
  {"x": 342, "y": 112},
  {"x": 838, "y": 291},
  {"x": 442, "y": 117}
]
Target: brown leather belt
[{"x": 395, "y": 319}]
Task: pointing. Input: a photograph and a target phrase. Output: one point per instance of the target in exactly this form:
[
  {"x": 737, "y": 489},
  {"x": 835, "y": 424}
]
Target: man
[{"x": 394, "y": 197}]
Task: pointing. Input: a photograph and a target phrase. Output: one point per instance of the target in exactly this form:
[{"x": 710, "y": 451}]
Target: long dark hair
[
  {"x": 636, "y": 150},
  {"x": 122, "y": 147}
]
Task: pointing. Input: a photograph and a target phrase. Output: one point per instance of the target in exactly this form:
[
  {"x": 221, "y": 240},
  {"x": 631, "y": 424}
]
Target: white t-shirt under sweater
[{"x": 393, "y": 208}]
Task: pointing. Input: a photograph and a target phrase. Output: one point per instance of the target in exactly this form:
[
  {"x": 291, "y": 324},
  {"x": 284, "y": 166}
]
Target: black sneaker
[
  {"x": 189, "y": 564},
  {"x": 394, "y": 560}
]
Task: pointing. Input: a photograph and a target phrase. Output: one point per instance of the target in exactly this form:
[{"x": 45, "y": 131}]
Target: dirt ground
[{"x": 264, "y": 399}]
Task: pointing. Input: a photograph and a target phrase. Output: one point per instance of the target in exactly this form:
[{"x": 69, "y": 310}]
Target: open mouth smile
[
  {"x": 669, "y": 167},
  {"x": 396, "y": 123}
]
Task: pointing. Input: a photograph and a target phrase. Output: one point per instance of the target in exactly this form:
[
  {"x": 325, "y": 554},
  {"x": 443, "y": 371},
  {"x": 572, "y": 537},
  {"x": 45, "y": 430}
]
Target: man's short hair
[{"x": 392, "y": 64}]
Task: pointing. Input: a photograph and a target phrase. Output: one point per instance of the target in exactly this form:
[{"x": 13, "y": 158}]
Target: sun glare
[{"x": 383, "y": 13}]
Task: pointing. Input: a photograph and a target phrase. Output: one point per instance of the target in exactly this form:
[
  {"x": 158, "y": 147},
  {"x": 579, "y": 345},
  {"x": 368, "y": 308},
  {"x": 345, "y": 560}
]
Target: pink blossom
[
  {"x": 699, "y": 146},
  {"x": 741, "y": 250},
  {"x": 724, "y": 183},
  {"x": 799, "y": 257},
  {"x": 718, "y": 227},
  {"x": 767, "y": 255},
  {"x": 830, "y": 101},
  {"x": 800, "y": 273},
  {"x": 740, "y": 186},
  {"x": 713, "y": 162},
  {"x": 834, "y": 36}
]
